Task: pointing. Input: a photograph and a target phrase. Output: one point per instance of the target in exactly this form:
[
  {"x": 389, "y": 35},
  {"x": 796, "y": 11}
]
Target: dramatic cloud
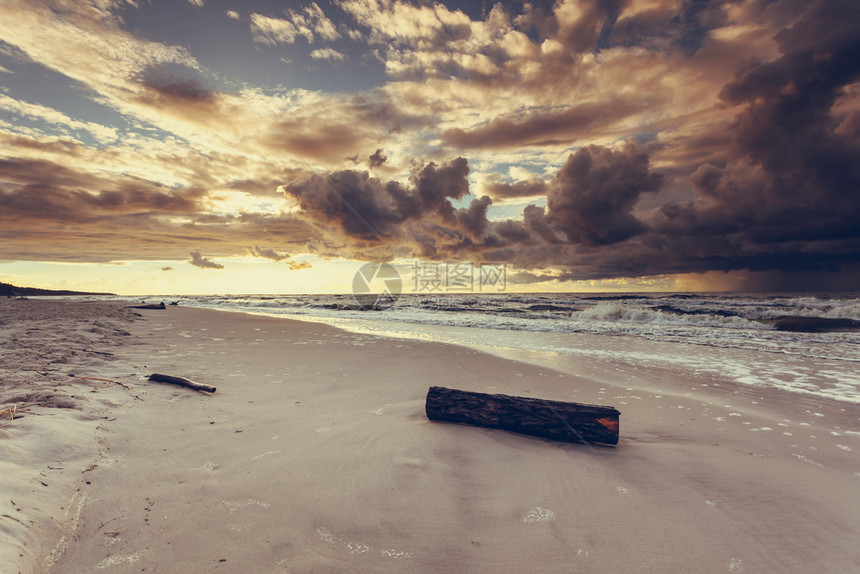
[
  {"x": 175, "y": 90},
  {"x": 257, "y": 251},
  {"x": 51, "y": 192},
  {"x": 617, "y": 139},
  {"x": 58, "y": 212},
  {"x": 366, "y": 208},
  {"x": 103, "y": 134},
  {"x": 593, "y": 195},
  {"x": 791, "y": 182},
  {"x": 309, "y": 23},
  {"x": 293, "y": 265},
  {"x": 204, "y": 263},
  {"x": 590, "y": 202},
  {"x": 298, "y": 265},
  {"x": 368, "y": 218},
  {"x": 327, "y": 54},
  {"x": 542, "y": 128},
  {"x": 377, "y": 159},
  {"x": 498, "y": 188}
]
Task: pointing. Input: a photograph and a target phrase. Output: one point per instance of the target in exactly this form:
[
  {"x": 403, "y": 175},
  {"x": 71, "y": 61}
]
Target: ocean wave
[
  {"x": 844, "y": 309},
  {"x": 617, "y": 313},
  {"x": 548, "y": 307}
]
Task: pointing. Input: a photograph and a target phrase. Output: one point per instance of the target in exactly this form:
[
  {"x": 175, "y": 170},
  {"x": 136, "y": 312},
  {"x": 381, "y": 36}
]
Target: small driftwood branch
[
  {"x": 557, "y": 420},
  {"x": 98, "y": 352},
  {"x": 11, "y": 412},
  {"x": 182, "y": 382}
]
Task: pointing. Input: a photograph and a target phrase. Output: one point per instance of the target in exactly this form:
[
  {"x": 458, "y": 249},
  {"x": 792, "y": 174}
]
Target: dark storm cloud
[
  {"x": 361, "y": 205},
  {"x": 436, "y": 185},
  {"x": 365, "y": 207},
  {"x": 850, "y": 126},
  {"x": 366, "y": 217},
  {"x": 793, "y": 174},
  {"x": 377, "y": 159},
  {"x": 589, "y": 204},
  {"x": 535, "y": 221},
  {"x": 592, "y": 197},
  {"x": 203, "y": 262}
]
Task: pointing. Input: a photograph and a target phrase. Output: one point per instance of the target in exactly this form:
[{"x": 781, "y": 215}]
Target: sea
[{"x": 800, "y": 343}]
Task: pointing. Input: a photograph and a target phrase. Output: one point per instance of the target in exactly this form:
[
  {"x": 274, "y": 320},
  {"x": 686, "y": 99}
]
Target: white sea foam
[{"x": 614, "y": 312}]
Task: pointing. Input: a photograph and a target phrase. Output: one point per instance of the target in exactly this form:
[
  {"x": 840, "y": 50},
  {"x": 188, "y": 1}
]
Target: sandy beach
[{"x": 314, "y": 455}]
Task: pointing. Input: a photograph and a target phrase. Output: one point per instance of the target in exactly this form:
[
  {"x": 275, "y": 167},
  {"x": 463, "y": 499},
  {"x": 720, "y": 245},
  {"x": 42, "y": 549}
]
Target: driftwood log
[
  {"x": 182, "y": 382},
  {"x": 557, "y": 420},
  {"x": 150, "y": 306}
]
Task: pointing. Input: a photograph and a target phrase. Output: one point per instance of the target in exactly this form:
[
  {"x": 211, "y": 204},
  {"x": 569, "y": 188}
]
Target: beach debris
[
  {"x": 10, "y": 412},
  {"x": 97, "y": 352},
  {"x": 556, "y": 420},
  {"x": 182, "y": 382},
  {"x": 151, "y": 306}
]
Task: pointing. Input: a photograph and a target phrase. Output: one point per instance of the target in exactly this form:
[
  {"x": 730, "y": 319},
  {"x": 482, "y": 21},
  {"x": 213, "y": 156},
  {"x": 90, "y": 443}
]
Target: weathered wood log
[
  {"x": 151, "y": 306},
  {"x": 182, "y": 382},
  {"x": 557, "y": 420}
]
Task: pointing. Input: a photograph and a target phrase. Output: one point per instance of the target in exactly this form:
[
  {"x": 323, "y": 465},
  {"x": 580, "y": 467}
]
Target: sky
[{"x": 263, "y": 146}]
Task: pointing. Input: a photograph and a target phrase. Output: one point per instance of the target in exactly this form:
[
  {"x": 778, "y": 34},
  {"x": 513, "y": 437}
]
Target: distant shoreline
[{"x": 8, "y": 290}]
